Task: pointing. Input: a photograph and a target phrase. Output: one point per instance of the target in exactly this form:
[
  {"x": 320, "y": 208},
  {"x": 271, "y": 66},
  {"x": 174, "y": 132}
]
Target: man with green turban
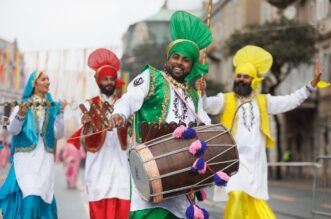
[{"x": 152, "y": 98}]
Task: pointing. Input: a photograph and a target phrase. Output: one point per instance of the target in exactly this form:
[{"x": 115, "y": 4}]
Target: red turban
[{"x": 105, "y": 63}]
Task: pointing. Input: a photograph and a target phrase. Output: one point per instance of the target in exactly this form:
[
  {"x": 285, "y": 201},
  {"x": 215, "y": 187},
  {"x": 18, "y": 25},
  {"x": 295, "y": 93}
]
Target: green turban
[{"x": 189, "y": 35}]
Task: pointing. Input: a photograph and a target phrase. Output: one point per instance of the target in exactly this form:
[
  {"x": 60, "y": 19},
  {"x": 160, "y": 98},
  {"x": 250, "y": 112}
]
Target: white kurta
[
  {"x": 130, "y": 103},
  {"x": 252, "y": 176},
  {"x": 107, "y": 173},
  {"x": 35, "y": 169}
]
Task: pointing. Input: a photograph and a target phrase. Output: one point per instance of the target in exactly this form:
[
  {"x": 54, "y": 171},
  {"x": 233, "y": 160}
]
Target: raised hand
[
  {"x": 23, "y": 109},
  {"x": 200, "y": 85},
  {"x": 63, "y": 104},
  {"x": 318, "y": 71}
]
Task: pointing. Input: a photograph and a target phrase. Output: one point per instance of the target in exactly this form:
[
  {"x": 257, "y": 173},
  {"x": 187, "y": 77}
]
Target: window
[
  {"x": 322, "y": 9},
  {"x": 325, "y": 65},
  {"x": 266, "y": 12}
]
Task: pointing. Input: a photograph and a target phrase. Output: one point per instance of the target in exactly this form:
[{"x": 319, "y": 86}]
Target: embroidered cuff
[
  {"x": 19, "y": 118},
  {"x": 310, "y": 88},
  {"x": 123, "y": 116}
]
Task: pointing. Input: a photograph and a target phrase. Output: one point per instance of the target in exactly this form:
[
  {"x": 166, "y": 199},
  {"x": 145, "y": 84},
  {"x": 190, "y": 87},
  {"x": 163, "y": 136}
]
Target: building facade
[
  {"x": 305, "y": 130},
  {"x": 11, "y": 80}
]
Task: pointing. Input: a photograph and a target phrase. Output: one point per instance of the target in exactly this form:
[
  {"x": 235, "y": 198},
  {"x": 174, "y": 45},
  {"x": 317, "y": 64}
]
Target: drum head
[{"x": 139, "y": 175}]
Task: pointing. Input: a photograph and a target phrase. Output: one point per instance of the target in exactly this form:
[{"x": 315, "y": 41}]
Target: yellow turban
[{"x": 253, "y": 61}]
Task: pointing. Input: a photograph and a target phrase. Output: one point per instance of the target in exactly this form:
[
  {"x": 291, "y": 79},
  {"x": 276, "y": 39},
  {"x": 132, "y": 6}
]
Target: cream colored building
[
  {"x": 11, "y": 79},
  {"x": 227, "y": 17}
]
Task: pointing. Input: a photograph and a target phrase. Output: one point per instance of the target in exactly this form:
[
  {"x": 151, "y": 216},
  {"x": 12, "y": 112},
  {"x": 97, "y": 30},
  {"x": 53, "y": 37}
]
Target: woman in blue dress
[{"x": 28, "y": 192}]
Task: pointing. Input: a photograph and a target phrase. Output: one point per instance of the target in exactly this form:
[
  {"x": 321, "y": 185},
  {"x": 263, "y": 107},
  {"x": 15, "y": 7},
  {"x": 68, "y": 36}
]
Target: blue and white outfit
[{"x": 28, "y": 191}]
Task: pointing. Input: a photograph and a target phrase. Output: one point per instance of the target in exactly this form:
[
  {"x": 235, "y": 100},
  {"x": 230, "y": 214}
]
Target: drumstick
[{"x": 143, "y": 130}]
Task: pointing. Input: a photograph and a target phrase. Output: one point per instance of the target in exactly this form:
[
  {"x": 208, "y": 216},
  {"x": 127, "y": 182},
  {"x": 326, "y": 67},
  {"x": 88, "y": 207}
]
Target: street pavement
[
  {"x": 289, "y": 199},
  {"x": 71, "y": 203}
]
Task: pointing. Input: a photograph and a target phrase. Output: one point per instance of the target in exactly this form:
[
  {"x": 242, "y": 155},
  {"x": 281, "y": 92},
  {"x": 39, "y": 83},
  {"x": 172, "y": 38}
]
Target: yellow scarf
[{"x": 230, "y": 104}]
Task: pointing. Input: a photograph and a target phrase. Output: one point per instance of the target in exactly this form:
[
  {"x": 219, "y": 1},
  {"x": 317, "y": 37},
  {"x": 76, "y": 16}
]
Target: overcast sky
[{"x": 58, "y": 24}]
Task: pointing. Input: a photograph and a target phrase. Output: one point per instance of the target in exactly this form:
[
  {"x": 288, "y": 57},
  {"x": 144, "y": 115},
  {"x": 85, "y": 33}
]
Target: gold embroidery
[
  {"x": 165, "y": 102},
  {"x": 152, "y": 83},
  {"x": 47, "y": 147},
  {"x": 25, "y": 149}
]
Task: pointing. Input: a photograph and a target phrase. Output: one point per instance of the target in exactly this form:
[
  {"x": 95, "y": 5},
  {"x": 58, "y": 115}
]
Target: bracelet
[
  {"x": 20, "y": 118},
  {"x": 309, "y": 89},
  {"x": 123, "y": 116}
]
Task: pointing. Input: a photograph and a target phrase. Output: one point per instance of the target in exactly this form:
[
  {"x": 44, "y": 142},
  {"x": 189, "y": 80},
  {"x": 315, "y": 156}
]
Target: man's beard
[
  {"x": 241, "y": 88},
  {"x": 108, "y": 90},
  {"x": 169, "y": 70}
]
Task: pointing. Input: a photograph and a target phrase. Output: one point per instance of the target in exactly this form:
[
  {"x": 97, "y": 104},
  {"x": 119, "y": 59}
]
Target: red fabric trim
[
  {"x": 111, "y": 208},
  {"x": 95, "y": 142},
  {"x": 76, "y": 140},
  {"x": 119, "y": 84}
]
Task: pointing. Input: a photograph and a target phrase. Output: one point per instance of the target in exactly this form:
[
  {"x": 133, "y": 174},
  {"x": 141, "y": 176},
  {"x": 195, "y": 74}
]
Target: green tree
[{"x": 291, "y": 43}]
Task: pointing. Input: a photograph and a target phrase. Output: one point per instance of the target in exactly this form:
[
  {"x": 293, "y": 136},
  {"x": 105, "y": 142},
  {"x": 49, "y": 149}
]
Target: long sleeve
[
  {"x": 280, "y": 104},
  {"x": 133, "y": 99},
  {"x": 15, "y": 122},
  {"x": 59, "y": 126},
  {"x": 213, "y": 105}
]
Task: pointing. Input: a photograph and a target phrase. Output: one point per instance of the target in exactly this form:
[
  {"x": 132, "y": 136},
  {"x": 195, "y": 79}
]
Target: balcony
[{"x": 281, "y": 4}]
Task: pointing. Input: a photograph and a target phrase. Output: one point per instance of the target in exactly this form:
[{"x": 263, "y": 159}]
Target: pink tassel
[
  {"x": 203, "y": 171},
  {"x": 178, "y": 132},
  {"x": 200, "y": 166},
  {"x": 223, "y": 176},
  {"x": 198, "y": 214},
  {"x": 195, "y": 146},
  {"x": 201, "y": 195}
]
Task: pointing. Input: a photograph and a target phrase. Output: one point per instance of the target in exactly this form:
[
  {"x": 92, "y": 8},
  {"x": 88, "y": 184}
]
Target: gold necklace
[
  {"x": 176, "y": 83},
  {"x": 38, "y": 105}
]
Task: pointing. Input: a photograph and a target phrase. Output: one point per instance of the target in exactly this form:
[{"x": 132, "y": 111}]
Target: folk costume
[
  {"x": 152, "y": 98},
  {"x": 107, "y": 175},
  {"x": 28, "y": 191},
  {"x": 247, "y": 190},
  {"x": 4, "y": 156}
]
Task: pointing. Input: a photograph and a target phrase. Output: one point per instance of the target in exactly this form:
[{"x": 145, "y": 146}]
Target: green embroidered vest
[{"x": 156, "y": 104}]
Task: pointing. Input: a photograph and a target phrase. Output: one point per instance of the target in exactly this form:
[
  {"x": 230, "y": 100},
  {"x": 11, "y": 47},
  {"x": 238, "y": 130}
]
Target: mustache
[
  {"x": 242, "y": 88},
  {"x": 107, "y": 89},
  {"x": 241, "y": 83},
  {"x": 177, "y": 66}
]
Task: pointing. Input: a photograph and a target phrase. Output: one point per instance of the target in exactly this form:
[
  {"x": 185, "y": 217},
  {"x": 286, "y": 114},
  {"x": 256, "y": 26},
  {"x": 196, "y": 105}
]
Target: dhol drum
[{"x": 161, "y": 168}]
